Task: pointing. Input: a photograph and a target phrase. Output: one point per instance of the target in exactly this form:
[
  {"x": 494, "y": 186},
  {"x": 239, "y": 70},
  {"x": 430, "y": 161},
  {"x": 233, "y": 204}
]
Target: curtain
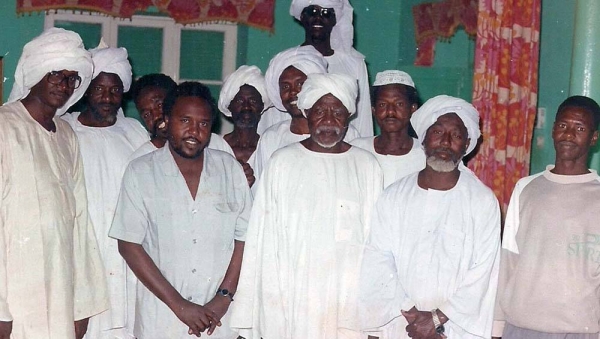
[
  {"x": 505, "y": 89},
  {"x": 256, "y": 13}
]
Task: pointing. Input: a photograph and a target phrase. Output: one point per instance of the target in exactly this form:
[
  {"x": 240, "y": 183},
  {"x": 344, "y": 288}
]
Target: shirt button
[
  {"x": 194, "y": 270},
  {"x": 189, "y": 298},
  {"x": 194, "y": 211},
  {"x": 194, "y": 241}
]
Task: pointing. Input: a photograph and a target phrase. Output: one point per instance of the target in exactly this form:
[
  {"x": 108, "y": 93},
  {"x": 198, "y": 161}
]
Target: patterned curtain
[
  {"x": 505, "y": 89},
  {"x": 256, "y": 13}
]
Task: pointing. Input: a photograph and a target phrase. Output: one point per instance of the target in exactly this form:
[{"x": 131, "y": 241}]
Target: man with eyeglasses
[
  {"x": 328, "y": 28},
  {"x": 51, "y": 273},
  {"x": 107, "y": 140}
]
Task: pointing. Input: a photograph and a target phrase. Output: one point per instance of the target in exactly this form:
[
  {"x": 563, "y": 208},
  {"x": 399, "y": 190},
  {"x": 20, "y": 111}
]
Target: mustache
[{"x": 328, "y": 129}]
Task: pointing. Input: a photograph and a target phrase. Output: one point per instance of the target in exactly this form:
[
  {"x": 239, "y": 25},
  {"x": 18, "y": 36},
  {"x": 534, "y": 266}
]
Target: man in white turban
[
  {"x": 308, "y": 226},
  {"x": 107, "y": 139},
  {"x": 394, "y": 99},
  {"x": 51, "y": 273},
  {"x": 244, "y": 98},
  {"x": 284, "y": 79},
  {"x": 328, "y": 28},
  {"x": 431, "y": 264}
]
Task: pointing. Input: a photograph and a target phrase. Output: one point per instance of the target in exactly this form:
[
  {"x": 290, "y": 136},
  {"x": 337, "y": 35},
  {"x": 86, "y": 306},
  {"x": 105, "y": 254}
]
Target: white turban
[
  {"x": 435, "y": 107},
  {"x": 112, "y": 60},
  {"x": 341, "y": 86},
  {"x": 305, "y": 58},
  {"x": 53, "y": 50},
  {"x": 245, "y": 75},
  {"x": 342, "y": 35}
]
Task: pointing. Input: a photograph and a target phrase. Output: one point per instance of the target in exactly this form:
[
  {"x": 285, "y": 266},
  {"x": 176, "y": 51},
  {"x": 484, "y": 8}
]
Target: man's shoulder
[
  {"x": 216, "y": 155},
  {"x": 477, "y": 190},
  {"x": 10, "y": 112},
  {"x": 277, "y": 129}
]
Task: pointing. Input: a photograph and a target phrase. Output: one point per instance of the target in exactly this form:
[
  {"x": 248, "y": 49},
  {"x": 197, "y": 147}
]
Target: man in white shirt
[
  {"x": 284, "y": 78},
  {"x": 308, "y": 226},
  {"x": 106, "y": 140},
  {"x": 394, "y": 100},
  {"x": 431, "y": 264},
  {"x": 328, "y": 28},
  {"x": 549, "y": 285},
  {"x": 181, "y": 223},
  {"x": 244, "y": 98},
  {"x": 51, "y": 274}
]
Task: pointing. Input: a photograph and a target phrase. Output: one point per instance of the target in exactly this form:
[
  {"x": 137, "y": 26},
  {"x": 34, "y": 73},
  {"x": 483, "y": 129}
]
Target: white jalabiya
[
  {"x": 304, "y": 245},
  {"x": 216, "y": 142},
  {"x": 433, "y": 249},
  {"x": 106, "y": 152},
  {"x": 51, "y": 272},
  {"x": 190, "y": 240},
  {"x": 279, "y": 136},
  {"x": 395, "y": 167}
]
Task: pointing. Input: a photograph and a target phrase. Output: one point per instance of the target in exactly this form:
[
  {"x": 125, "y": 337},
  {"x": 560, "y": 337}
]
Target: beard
[
  {"x": 109, "y": 118},
  {"x": 325, "y": 129},
  {"x": 440, "y": 165}
]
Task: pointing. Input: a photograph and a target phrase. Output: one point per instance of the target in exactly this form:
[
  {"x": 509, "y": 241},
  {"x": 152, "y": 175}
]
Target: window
[{"x": 156, "y": 44}]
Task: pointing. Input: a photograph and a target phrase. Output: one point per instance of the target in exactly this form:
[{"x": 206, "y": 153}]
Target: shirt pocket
[
  {"x": 448, "y": 247},
  {"x": 348, "y": 221}
]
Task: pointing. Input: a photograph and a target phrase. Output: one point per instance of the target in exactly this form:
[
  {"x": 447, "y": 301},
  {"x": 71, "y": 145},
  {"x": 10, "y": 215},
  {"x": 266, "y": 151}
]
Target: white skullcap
[
  {"x": 341, "y": 86},
  {"x": 112, "y": 60},
  {"x": 342, "y": 35},
  {"x": 435, "y": 107},
  {"x": 245, "y": 75},
  {"x": 393, "y": 77},
  {"x": 305, "y": 58},
  {"x": 53, "y": 50}
]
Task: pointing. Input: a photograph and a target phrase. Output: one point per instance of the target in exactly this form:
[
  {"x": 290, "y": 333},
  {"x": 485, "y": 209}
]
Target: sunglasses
[{"x": 313, "y": 11}]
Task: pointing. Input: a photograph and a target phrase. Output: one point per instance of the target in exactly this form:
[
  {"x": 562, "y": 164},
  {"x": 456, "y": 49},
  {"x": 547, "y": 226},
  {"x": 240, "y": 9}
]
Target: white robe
[
  {"x": 304, "y": 245},
  {"x": 190, "y": 240},
  {"x": 395, "y": 167},
  {"x": 106, "y": 152},
  {"x": 279, "y": 136},
  {"x": 432, "y": 249},
  {"x": 51, "y": 272}
]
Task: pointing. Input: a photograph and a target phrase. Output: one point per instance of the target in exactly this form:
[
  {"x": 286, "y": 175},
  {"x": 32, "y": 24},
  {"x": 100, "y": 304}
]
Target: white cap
[{"x": 393, "y": 77}]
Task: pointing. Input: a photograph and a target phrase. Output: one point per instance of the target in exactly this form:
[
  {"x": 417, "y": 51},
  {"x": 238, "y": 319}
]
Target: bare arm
[
  {"x": 220, "y": 304},
  {"x": 196, "y": 317}
]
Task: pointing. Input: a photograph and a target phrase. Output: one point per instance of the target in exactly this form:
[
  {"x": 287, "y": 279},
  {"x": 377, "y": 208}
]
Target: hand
[
  {"x": 81, "y": 327},
  {"x": 196, "y": 317},
  {"x": 219, "y": 306},
  {"x": 420, "y": 324},
  {"x": 5, "y": 329},
  {"x": 249, "y": 172}
]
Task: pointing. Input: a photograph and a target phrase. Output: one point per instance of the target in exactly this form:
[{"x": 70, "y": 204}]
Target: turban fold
[
  {"x": 245, "y": 75},
  {"x": 342, "y": 35},
  {"x": 55, "y": 49},
  {"x": 112, "y": 60},
  {"x": 341, "y": 86},
  {"x": 393, "y": 77},
  {"x": 435, "y": 107},
  {"x": 305, "y": 58}
]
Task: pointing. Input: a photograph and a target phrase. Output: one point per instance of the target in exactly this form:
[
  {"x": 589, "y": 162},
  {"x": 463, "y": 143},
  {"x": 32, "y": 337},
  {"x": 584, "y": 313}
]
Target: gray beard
[
  {"x": 322, "y": 129},
  {"x": 440, "y": 165}
]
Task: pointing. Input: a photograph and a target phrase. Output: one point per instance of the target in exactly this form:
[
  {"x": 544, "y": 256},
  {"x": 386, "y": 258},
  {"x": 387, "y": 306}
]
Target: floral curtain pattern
[
  {"x": 505, "y": 87},
  {"x": 256, "y": 13}
]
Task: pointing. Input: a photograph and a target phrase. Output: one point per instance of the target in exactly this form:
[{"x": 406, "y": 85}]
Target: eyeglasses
[
  {"x": 325, "y": 13},
  {"x": 57, "y": 78}
]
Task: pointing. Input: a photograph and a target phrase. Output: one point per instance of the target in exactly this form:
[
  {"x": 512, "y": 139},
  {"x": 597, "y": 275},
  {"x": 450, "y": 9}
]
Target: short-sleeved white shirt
[{"x": 190, "y": 241}]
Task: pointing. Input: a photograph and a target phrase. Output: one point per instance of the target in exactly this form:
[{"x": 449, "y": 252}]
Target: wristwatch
[
  {"x": 439, "y": 327},
  {"x": 225, "y": 292}
]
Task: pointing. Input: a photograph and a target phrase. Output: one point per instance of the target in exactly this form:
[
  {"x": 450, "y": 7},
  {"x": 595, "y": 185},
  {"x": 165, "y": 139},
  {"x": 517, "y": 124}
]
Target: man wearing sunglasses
[
  {"x": 51, "y": 274},
  {"x": 328, "y": 28}
]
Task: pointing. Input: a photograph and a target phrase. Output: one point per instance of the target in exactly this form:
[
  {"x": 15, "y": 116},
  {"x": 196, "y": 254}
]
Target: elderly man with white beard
[
  {"x": 430, "y": 267},
  {"x": 308, "y": 226}
]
